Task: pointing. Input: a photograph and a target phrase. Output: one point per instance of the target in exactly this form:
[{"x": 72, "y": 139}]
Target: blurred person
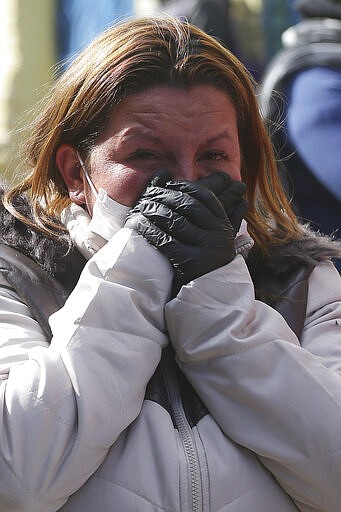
[
  {"x": 212, "y": 16},
  {"x": 170, "y": 333},
  {"x": 276, "y": 16},
  {"x": 302, "y": 90},
  {"x": 78, "y": 22}
]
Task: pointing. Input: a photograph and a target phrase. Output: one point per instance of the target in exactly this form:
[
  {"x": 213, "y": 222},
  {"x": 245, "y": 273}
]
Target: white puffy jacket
[{"x": 78, "y": 435}]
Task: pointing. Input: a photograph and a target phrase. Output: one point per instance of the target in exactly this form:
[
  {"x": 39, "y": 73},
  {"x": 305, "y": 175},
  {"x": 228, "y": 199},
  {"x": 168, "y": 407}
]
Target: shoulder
[
  {"x": 322, "y": 328},
  {"x": 24, "y": 238},
  {"x": 324, "y": 287},
  {"x": 309, "y": 250},
  {"x": 292, "y": 273},
  {"x": 57, "y": 257}
]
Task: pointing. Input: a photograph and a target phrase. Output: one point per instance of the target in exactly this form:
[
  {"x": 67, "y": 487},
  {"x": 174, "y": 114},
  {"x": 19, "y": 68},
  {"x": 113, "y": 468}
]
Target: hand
[
  {"x": 188, "y": 223},
  {"x": 231, "y": 197},
  {"x": 234, "y": 203}
]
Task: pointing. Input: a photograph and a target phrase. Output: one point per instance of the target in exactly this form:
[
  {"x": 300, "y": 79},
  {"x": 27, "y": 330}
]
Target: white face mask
[{"x": 108, "y": 216}]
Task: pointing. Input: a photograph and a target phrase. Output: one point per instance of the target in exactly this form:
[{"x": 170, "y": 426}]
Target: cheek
[
  {"x": 126, "y": 186},
  {"x": 233, "y": 169},
  {"x": 236, "y": 171},
  {"x": 121, "y": 182}
]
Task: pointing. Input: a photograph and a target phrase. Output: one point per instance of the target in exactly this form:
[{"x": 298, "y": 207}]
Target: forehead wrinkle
[
  {"x": 148, "y": 134},
  {"x": 141, "y": 132}
]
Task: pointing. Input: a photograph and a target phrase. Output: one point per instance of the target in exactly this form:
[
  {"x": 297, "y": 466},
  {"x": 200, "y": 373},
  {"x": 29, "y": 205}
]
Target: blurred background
[{"x": 38, "y": 38}]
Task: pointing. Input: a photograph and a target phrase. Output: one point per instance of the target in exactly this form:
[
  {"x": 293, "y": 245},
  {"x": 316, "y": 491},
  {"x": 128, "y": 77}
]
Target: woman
[{"x": 96, "y": 414}]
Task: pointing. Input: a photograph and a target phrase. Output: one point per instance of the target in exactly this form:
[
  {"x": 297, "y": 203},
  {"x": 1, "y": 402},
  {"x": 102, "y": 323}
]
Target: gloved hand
[
  {"x": 187, "y": 222},
  {"x": 231, "y": 196},
  {"x": 233, "y": 202}
]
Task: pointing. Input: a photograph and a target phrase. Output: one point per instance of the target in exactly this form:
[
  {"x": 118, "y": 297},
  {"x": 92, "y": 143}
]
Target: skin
[{"x": 191, "y": 134}]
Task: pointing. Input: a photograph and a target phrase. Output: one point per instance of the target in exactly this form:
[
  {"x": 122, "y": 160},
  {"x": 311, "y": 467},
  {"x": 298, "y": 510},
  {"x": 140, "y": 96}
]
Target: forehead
[{"x": 173, "y": 109}]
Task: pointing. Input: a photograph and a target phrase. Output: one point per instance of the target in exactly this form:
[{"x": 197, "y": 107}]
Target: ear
[{"x": 70, "y": 168}]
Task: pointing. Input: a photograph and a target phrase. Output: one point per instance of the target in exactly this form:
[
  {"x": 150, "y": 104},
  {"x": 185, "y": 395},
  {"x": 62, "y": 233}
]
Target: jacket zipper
[{"x": 185, "y": 432}]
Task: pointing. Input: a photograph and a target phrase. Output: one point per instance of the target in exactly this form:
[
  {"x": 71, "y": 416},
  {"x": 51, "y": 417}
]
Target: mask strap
[{"x": 88, "y": 179}]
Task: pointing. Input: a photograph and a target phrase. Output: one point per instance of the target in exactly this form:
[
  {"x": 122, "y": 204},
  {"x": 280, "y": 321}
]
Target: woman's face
[{"x": 190, "y": 134}]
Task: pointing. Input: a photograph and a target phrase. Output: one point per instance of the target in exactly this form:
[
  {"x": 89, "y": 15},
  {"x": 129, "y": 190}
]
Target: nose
[{"x": 189, "y": 171}]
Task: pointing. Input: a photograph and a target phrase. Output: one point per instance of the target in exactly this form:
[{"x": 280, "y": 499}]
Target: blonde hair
[{"x": 131, "y": 57}]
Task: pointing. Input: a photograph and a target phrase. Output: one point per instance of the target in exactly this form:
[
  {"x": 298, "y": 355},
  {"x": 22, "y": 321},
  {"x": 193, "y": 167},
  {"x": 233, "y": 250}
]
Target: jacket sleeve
[
  {"x": 64, "y": 405},
  {"x": 267, "y": 392}
]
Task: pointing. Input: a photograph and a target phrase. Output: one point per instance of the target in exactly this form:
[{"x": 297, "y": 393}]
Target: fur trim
[
  {"x": 57, "y": 257},
  {"x": 311, "y": 249}
]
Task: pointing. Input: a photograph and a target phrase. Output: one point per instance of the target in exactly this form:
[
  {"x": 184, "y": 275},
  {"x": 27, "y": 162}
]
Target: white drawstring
[{"x": 88, "y": 179}]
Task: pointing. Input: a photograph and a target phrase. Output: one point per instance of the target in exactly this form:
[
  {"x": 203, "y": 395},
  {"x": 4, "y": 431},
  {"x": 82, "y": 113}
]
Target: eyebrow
[
  {"x": 145, "y": 134},
  {"x": 138, "y": 132},
  {"x": 222, "y": 135}
]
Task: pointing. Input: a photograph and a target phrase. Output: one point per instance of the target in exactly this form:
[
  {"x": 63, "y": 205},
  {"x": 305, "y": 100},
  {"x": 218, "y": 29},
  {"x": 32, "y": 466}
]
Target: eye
[
  {"x": 144, "y": 154},
  {"x": 216, "y": 155}
]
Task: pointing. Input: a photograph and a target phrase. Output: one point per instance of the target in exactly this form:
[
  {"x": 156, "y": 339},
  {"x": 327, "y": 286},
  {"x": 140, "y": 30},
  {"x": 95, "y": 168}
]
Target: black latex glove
[
  {"x": 234, "y": 203},
  {"x": 187, "y": 222},
  {"x": 230, "y": 196}
]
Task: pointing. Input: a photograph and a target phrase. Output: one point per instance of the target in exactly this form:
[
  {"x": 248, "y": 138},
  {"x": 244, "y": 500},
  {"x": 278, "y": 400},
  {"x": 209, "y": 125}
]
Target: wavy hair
[{"x": 128, "y": 58}]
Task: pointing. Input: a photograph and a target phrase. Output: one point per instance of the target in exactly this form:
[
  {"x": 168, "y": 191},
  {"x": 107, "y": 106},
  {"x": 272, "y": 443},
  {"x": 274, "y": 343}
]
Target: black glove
[
  {"x": 233, "y": 202},
  {"x": 187, "y": 222},
  {"x": 231, "y": 196}
]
